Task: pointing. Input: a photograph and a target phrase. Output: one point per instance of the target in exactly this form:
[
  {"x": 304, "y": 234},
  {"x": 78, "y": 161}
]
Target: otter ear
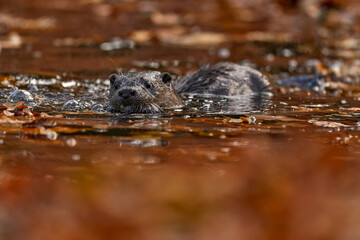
[
  {"x": 112, "y": 78},
  {"x": 166, "y": 78}
]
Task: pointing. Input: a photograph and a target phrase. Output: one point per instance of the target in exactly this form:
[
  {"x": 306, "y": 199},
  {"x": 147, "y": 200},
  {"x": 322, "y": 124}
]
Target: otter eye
[
  {"x": 147, "y": 84},
  {"x": 117, "y": 85}
]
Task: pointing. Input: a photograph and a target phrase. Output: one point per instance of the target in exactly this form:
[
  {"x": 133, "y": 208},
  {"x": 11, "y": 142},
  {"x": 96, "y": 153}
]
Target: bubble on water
[
  {"x": 20, "y": 95},
  {"x": 51, "y": 135},
  {"x": 71, "y": 142},
  {"x": 343, "y": 101},
  {"x": 358, "y": 124},
  {"x": 97, "y": 108},
  {"x": 71, "y": 105},
  {"x": 1, "y": 141},
  {"x": 252, "y": 119},
  {"x": 86, "y": 104}
]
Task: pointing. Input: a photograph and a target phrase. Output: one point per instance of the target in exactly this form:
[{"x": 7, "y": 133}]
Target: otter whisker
[{"x": 156, "y": 108}]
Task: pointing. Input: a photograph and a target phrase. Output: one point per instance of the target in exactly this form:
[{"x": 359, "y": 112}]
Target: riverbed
[{"x": 219, "y": 168}]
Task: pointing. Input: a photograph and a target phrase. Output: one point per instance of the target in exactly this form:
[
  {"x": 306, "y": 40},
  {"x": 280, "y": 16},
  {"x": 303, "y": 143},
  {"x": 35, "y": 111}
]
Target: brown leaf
[
  {"x": 327, "y": 124},
  {"x": 28, "y": 112},
  {"x": 44, "y": 115},
  {"x": 20, "y": 108},
  {"x": 9, "y": 106},
  {"x": 18, "y": 104},
  {"x": 12, "y": 40},
  {"x": 165, "y": 19},
  {"x": 7, "y": 113},
  {"x": 177, "y": 36},
  {"x": 141, "y": 36},
  {"x": 248, "y": 120}
]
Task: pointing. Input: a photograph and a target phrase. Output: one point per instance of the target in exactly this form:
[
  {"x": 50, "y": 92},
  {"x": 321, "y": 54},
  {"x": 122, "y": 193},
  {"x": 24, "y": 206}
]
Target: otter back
[{"x": 228, "y": 79}]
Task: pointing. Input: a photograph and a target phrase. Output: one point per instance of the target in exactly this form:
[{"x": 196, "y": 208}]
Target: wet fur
[
  {"x": 227, "y": 79},
  {"x": 151, "y": 99},
  {"x": 222, "y": 79}
]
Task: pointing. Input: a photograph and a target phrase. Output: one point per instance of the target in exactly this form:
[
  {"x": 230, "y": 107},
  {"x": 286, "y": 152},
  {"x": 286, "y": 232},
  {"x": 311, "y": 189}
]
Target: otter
[
  {"x": 153, "y": 91},
  {"x": 142, "y": 92}
]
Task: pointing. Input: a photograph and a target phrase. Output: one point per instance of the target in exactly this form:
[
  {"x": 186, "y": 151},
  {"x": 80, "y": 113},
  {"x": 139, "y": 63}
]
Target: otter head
[{"x": 142, "y": 92}]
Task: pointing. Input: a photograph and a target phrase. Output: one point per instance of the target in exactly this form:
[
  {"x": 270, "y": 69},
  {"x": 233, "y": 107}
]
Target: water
[{"x": 219, "y": 168}]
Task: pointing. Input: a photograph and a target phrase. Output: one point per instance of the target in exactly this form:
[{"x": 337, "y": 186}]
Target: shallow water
[{"x": 220, "y": 168}]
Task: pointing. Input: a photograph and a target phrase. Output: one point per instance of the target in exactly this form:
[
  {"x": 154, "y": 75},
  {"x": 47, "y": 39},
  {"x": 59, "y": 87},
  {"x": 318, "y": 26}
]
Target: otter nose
[{"x": 127, "y": 93}]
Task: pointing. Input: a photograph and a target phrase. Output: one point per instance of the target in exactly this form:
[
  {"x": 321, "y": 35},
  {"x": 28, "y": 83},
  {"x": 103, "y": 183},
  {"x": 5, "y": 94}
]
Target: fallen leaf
[
  {"x": 12, "y": 40},
  {"x": 9, "y": 106},
  {"x": 177, "y": 36},
  {"x": 28, "y": 112},
  {"x": 7, "y": 113},
  {"x": 165, "y": 19},
  {"x": 44, "y": 115},
  {"x": 141, "y": 36},
  {"x": 18, "y": 104},
  {"x": 327, "y": 124}
]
